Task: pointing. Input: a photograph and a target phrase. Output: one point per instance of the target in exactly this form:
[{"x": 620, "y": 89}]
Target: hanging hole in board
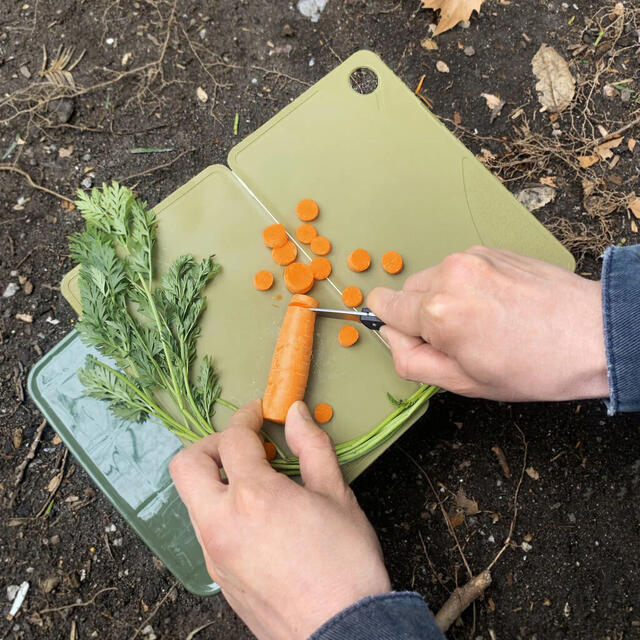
[{"x": 363, "y": 81}]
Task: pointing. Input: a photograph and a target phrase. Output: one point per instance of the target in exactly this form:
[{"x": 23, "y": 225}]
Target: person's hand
[
  {"x": 490, "y": 323},
  {"x": 287, "y": 557}
]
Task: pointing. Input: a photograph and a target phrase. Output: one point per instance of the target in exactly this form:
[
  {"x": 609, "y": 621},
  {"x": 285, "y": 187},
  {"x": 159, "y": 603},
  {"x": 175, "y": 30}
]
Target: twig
[
  {"x": 196, "y": 631},
  {"x": 619, "y": 132},
  {"x": 59, "y": 477},
  {"x": 157, "y": 167},
  {"x": 77, "y": 604},
  {"x": 281, "y": 74},
  {"x": 461, "y": 598},
  {"x": 31, "y": 455},
  {"x": 29, "y": 179},
  {"x": 433, "y": 569},
  {"x": 502, "y": 460},
  {"x": 155, "y": 610}
]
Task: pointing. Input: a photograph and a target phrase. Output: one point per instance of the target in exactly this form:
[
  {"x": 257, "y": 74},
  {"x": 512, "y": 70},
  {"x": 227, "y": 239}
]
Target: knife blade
[{"x": 364, "y": 317}]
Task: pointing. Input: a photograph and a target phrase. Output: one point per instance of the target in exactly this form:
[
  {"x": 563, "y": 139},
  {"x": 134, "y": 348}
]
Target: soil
[{"x": 575, "y": 576}]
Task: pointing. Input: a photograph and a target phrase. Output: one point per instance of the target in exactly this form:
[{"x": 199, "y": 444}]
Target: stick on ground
[{"x": 461, "y": 598}]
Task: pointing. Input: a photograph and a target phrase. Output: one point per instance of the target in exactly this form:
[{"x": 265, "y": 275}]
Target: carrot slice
[
  {"x": 359, "y": 260},
  {"x": 321, "y": 268},
  {"x": 298, "y": 277},
  {"x": 352, "y": 296},
  {"x": 263, "y": 280},
  {"x": 306, "y": 233},
  {"x": 270, "y": 450},
  {"x": 286, "y": 254},
  {"x": 287, "y": 381},
  {"x": 320, "y": 246},
  {"x": 307, "y": 210},
  {"x": 392, "y": 262},
  {"x": 348, "y": 335},
  {"x": 275, "y": 235},
  {"x": 323, "y": 413}
]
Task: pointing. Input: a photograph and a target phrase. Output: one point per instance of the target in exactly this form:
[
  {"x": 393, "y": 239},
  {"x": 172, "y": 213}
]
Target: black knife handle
[{"x": 372, "y": 322}]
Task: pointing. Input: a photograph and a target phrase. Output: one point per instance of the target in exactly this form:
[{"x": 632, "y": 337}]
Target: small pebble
[
  {"x": 11, "y": 289},
  {"x": 86, "y": 157},
  {"x": 469, "y": 51},
  {"x": 110, "y": 41},
  {"x": 12, "y": 590},
  {"x": 312, "y": 62},
  {"x": 87, "y": 182}
]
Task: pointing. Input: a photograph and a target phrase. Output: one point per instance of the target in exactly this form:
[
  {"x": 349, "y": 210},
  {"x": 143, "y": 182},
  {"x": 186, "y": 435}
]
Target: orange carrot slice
[
  {"x": 275, "y": 235},
  {"x": 287, "y": 381},
  {"x": 320, "y": 246},
  {"x": 263, "y": 280},
  {"x": 298, "y": 277},
  {"x": 392, "y": 262},
  {"x": 348, "y": 335},
  {"x": 307, "y": 210},
  {"x": 323, "y": 413},
  {"x": 321, "y": 268},
  {"x": 359, "y": 260},
  {"x": 306, "y": 233},
  {"x": 352, "y": 297},
  {"x": 285, "y": 254},
  {"x": 270, "y": 450}
]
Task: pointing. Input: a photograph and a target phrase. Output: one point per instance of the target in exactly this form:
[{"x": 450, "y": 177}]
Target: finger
[
  {"x": 241, "y": 449},
  {"x": 421, "y": 281},
  {"x": 416, "y": 360},
  {"x": 319, "y": 466},
  {"x": 399, "y": 309}
]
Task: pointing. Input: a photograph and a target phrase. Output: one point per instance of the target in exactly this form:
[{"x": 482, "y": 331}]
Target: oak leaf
[
  {"x": 556, "y": 85},
  {"x": 452, "y": 12}
]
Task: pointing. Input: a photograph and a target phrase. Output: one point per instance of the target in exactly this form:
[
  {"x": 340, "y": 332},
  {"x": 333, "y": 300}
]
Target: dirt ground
[{"x": 573, "y": 568}]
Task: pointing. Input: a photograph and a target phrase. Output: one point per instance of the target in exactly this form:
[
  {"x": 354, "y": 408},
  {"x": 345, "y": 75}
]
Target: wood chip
[
  {"x": 604, "y": 149},
  {"x": 429, "y": 44},
  {"x": 442, "y": 66},
  {"x": 634, "y": 205},
  {"x": 502, "y": 460},
  {"x": 588, "y": 161},
  {"x": 24, "y": 317},
  {"x": 202, "y": 94},
  {"x": 631, "y": 144},
  {"x": 533, "y": 474}
]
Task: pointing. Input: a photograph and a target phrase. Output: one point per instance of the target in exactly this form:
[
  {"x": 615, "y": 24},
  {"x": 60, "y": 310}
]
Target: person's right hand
[{"x": 491, "y": 323}]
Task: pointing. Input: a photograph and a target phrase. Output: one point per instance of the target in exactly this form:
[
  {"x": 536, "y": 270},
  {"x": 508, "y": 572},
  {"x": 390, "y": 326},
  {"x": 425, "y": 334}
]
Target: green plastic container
[{"x": 387, "y": 175}]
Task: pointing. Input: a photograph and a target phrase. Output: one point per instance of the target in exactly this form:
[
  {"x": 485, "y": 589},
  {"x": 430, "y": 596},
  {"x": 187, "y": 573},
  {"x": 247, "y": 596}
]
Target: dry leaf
[
  {"x": 634, "y": 226},
  {"x": 534, "y": 198},
  {"x": 634, "y": 205},
  {"x": 550, "y": 181},
  {"x": 452, "y": 12},
  {"x": 125, "y": 59},
  {"x": 202, "y": 94},
  {"x": 533, "y": 474},
  {"x": 442, "y": 67},
  {"x": 17, "y": 438},
  {"x": 457, "y": 519},
  {"x": 65, "y": 153},
  {"x": 492, "y": 101},
  {"x": 24, "y": 317},
  {"x": 618, "y": 10},
  {"x": 486, "y": 155},
  {"x": 556, "y": 86},
  {"x": 429, "y": 44},
  {"x": 470, "y": 507},
  {"x": 604, "y": 150},
  {"x": 457, "y": 118},
  {"x": 631, "y": 144},
  {"x": 588, "y": 161}
]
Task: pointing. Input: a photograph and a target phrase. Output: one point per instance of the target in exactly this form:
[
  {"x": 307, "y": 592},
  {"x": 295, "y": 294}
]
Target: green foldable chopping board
[{"x": 386, "y": 175}]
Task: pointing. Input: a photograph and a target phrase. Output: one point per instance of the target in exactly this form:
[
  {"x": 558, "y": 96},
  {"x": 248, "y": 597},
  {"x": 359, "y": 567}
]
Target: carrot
[
  {"x": 306, "y": 233},
  {"x": 321, "y": 268},
  {"x": 352, "y": 296},
  {"x": 323, "y": 413},
  {"x": 348, "y": 335},
  {"x": 289, "y": 372},
  {"x": 270, "y": 450},
  {"x": 263, "y": 280},
  {"x": 392, "y": 262},
  {"x": 320, "y": 246},
  {"x": 307, "y": 210},
  {"x": 275, "y": 235},
  {"x": 359, "y": 260},
  {"x": 285, "y": 254},
  {"x": 298, "y": 277}
]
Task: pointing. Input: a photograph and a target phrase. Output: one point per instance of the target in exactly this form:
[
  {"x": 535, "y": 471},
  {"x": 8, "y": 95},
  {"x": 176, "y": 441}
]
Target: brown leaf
[
  {"x": 533, "y": 474},
  {"x": 457, "y": 519},
  {"x": 604, "y": 149},
  {"x": 631, "y": 144},
  {"x": 457, "y": 118},
  {"x": 634, "y": 205},
  {"x": 492, "y": 101},
  {"x": 17, "y": 438},
  {"x": 588, "y": 161},
  {"x": 550, "y": 181},
  {"x": 556, "y": 85},
  {"x": 429, "y": 44},
  {"x": 65, "y": 152},
  {"x": 470, "y": 507},
  {"x": 452, "y": 12},
  {"x": 54, "y": 483},
  {"x": 502, "y": 460}
]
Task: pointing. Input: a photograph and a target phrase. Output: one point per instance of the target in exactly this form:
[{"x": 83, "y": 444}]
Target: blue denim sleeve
[
  {"x": 402, "y": 615},
  {"x": 621, "y": 313}
]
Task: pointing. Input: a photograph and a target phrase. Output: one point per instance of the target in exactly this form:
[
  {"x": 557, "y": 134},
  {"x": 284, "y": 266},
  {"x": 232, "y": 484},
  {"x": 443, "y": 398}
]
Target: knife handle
[{"x": 371, "y": 322}]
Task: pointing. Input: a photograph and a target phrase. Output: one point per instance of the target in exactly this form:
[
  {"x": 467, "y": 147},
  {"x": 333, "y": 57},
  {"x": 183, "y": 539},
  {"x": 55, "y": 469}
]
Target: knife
[{"x": 365, "y": 317}]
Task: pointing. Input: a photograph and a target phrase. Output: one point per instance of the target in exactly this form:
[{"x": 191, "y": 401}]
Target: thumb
[{"x": 318, "y": 462}]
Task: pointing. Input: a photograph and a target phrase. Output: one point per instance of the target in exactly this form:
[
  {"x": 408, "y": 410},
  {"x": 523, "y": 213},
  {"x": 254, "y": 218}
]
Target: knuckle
[
  {"x": 436, "y": 306},
  {"x": 251, "y": 498},
  {"x": 460, "y": 266},
  {"x": 401, "y": 362}
]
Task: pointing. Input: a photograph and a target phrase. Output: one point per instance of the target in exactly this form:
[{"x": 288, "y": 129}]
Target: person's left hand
[{"x": 287, "y": 557}]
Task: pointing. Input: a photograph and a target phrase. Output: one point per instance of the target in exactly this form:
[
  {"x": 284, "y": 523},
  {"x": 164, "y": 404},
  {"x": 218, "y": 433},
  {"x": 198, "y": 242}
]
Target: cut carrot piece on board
[
  {"x": 306, "y": 233},
  {"x": 275, "y": 235},
  {"x": 320, "y": 246},
  {"x": 348, "y": 335},
  {"x": 298, "y": 277},
  {"x": 286, "y": 254},
  {"x": 359, "y": 260},
  {"x": 307, "y": 210},
  {"x": 270, "y": 450},
  {"x": 263, "y": 280},
  {"x": 323, "y": 413},
  {"x": 352, "y": 297},
  {"x": 289, "y": 371},
  {"x": 392, "y": 262},
  {"x": 321, "y": 268}
]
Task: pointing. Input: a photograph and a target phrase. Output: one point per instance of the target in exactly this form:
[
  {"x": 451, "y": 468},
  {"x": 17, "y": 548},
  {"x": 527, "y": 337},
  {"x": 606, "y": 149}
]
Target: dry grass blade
[{"x": 58, "y": 72}]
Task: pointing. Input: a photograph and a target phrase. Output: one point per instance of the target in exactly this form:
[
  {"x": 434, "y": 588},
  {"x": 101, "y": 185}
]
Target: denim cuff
[
  {"x": 621, "y": 313},
  {"x": 402, "y": 615}
]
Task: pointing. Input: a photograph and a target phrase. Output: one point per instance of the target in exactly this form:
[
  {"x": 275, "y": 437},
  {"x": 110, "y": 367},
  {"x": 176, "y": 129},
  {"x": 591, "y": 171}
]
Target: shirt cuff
[
  {"x": 621, "y": 314},
  {"x": 389, "y": 616}
]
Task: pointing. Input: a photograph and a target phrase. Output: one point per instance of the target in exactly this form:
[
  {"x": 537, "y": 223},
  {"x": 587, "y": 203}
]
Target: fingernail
[{"x": 302, "y": 410}]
